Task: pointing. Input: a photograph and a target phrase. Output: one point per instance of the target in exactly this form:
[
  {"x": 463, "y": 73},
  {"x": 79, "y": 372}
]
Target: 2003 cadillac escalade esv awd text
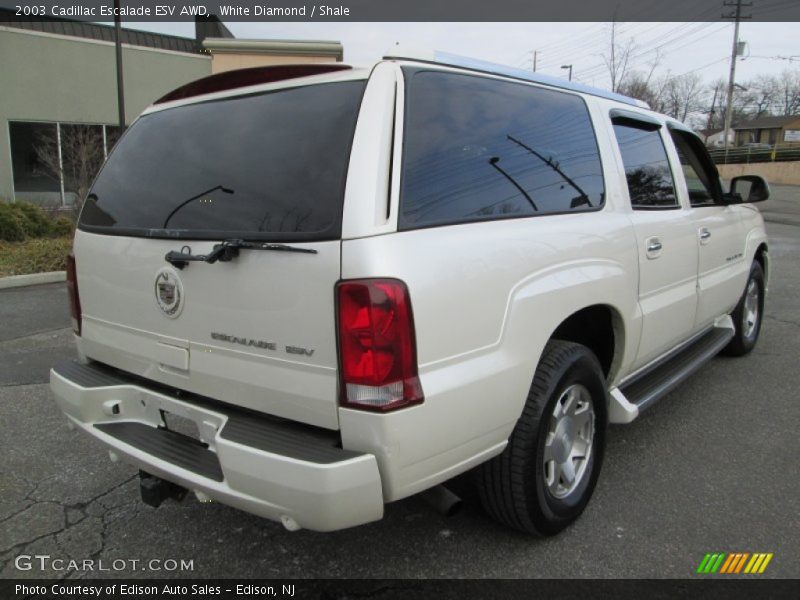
[{"x": 308, "y": 291}]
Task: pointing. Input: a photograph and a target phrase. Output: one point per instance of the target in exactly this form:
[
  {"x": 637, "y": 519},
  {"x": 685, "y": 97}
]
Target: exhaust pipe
[{"x": 443, "y": 500}]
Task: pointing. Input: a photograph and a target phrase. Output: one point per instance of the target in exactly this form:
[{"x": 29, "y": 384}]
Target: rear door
[
  {"x": 257, "y": 331},
  {"x": 665, "y": 238}
]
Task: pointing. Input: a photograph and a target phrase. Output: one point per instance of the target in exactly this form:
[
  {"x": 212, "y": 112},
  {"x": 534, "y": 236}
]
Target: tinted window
[
  {"x": 265, "y": 166},
  {"x": 479, "y": 149},
  {"x": 646, "y": 167},
  {"x": 698, "y": 180}
]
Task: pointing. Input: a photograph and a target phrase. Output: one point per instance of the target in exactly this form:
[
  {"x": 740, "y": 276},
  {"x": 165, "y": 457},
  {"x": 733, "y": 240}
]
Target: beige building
[
  {"x": 234, "y": 53},
  {"x": 58, "y": 90},
  {"x": 781, "y": 130}
]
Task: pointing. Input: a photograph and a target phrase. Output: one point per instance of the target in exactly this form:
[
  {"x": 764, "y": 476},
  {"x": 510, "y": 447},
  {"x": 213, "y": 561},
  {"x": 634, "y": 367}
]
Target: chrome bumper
[{"x": 281, "y": 471}]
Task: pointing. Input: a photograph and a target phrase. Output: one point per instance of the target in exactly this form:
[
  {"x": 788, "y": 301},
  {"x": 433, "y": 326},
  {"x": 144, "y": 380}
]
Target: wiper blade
[
  {"x": 221, "y": 188},
  {"x": 227, "y": 251}
]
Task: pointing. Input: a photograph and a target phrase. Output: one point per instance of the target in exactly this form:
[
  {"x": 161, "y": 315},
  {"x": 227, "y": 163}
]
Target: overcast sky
[{"x": 703, "y": 48}]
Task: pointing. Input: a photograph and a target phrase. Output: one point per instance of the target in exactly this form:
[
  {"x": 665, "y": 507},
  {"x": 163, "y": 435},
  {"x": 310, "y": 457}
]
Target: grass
[{"x": 37, "y": 255}]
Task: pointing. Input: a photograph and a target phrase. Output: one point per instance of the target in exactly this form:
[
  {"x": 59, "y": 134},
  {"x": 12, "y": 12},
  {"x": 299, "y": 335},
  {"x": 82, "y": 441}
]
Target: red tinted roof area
[{"x": 229, "y": 80}]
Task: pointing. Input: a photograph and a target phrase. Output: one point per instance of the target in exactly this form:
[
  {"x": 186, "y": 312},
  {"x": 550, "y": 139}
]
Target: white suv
[{"x": 308, "y": 291}]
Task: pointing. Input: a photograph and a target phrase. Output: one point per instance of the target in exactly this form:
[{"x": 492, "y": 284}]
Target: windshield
[{"x": 267, "y": 166}]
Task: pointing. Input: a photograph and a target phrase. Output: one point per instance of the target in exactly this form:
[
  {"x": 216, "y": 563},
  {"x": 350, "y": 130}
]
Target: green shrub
[
  {"x": 34, "y": 220},
  {"x": 23, "y": 220},
  {"x": 61, "y": 226},
  {"x": 11, "y": 226}
]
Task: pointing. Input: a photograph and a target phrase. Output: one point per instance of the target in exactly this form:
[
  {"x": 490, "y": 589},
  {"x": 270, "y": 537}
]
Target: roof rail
[
  {"x": 229, "y": 80},
  {"x": 473, "y": 64}
]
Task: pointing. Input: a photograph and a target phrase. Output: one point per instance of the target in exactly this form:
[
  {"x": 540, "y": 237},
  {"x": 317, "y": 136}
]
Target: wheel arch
[{"x": 599, "y": 327}]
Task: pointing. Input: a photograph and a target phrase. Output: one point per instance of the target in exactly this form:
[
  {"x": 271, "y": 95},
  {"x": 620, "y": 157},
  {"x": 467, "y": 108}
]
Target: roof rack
[
  {"x": 229, "y": 80},
  {"x": 453, "y": 60}
]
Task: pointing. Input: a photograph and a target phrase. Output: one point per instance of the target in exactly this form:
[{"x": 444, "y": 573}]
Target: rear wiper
[
  {"x": 226, "y": 251},
  {"x": 221, "y": 188}
]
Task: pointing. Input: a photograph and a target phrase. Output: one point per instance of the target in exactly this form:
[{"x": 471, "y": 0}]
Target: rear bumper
[{"x": 275, "y": 469}]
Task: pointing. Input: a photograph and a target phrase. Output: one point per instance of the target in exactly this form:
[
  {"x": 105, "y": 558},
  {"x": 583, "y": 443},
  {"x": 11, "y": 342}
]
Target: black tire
[
  {"x": 742, "y": 343},
  {"x": 512, "y": 485}
]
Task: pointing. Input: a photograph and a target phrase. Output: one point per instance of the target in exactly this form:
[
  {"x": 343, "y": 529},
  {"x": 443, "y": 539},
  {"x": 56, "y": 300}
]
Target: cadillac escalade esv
[{"x": 307, "y": 291}]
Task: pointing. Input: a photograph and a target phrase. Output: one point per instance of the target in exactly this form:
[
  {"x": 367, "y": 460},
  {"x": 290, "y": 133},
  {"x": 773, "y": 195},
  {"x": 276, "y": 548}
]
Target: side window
[
  {"x": 479, "y": 149},
  {"x": 646, "y": 165},
  {"x": 700, "y": 178}
]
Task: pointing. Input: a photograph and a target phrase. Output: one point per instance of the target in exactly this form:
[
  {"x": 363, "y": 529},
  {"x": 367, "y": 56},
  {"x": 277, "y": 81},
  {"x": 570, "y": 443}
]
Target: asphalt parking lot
[{"x": 713, "y": 467}]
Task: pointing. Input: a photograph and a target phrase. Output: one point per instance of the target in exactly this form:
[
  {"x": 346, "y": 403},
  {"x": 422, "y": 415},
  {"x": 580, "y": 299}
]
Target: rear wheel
[
  {"x": 748, "y": 314},
  {"x": 544, "y": 478}
]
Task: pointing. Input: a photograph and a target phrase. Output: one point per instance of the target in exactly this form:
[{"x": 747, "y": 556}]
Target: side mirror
[{"x": 750, "y": 188}]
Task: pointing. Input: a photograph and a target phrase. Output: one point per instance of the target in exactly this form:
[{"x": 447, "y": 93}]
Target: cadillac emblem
[{"x": 169, "y": 292}]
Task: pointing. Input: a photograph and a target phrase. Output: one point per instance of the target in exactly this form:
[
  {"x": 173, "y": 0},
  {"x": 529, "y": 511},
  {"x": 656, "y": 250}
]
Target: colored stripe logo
[{"x": 734, "y": 563}]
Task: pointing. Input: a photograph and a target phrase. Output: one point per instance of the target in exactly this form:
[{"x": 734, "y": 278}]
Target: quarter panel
[{"x": 486, "y": 297}]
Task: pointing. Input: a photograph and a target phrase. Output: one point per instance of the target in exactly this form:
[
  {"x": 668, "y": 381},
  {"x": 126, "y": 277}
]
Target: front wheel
[
  {"x": 544, "y": 478},
  {"x": 748, "y": 314}
]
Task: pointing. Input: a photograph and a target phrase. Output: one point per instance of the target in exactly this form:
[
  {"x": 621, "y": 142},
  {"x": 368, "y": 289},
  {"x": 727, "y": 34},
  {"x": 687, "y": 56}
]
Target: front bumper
[{"x": 276, "y": 469}]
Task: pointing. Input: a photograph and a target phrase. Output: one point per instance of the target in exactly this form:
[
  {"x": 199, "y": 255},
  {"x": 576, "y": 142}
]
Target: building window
[
  {"x": 32, "y": 179},
  {"x": 54, "y": 163}
]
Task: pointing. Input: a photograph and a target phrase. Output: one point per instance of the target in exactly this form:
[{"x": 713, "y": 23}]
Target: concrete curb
[{"x": 32, "y": 279}]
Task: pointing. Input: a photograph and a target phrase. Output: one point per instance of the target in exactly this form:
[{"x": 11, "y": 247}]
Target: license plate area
[{"x": 181, "y": 425}]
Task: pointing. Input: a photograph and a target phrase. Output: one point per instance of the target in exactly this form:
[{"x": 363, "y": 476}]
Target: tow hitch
[{"x": 155, "y": 490}]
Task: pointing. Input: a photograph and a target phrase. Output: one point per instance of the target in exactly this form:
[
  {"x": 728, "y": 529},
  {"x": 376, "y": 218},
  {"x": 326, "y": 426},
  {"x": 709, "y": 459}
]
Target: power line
[{"x": 635, "y": 58}]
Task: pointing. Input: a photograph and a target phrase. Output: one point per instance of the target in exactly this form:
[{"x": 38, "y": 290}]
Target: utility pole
[
  {"x": 712, "y": 112},
  {"x": 737, "y": 16},
  {"x": 118, "y": 44},
  {"x": 535, "y": 56}
]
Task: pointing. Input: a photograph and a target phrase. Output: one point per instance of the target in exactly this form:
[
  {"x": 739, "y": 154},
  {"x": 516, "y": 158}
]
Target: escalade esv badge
[{"x": 169, "y": 292}]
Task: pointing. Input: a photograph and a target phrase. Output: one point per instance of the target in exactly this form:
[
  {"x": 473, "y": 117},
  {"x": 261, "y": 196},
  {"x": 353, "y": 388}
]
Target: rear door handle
[
  {"x": 705, "y": 235},
  {"x": 653, "y": 247}
]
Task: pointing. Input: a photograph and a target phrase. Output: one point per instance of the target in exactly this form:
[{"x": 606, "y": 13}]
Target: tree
[
  {"x": 683, "y": 95},
  {"x": 763, "y": 92},
  {"x": 787, "y": 101},
  {"x": 741, "y": 103},
  {"x": 81, "y": 157},
  {"x": 617, "y": 59},
  {"x": 644, "y": 87}
]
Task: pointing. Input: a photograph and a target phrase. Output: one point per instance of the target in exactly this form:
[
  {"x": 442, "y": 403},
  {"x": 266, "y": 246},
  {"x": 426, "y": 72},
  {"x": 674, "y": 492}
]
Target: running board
[{"x": 657, "y": 380}]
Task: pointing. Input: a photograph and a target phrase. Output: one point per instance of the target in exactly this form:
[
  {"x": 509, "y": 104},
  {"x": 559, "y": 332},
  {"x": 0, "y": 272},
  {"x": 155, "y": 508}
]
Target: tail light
[
  {"x": 377, "y": 348},
  {"x": 72, "y": 290}
]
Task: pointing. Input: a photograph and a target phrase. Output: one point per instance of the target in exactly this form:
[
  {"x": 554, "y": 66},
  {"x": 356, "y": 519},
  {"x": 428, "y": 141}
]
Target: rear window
[
  {"x": 479, "y": 149},
  {"x": 268, "y": 166}
]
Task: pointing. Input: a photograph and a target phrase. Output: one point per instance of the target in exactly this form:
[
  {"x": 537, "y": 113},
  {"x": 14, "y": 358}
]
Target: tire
[
  {"x": 518, "y": 488},
  {"x": 747, "y": 323}
]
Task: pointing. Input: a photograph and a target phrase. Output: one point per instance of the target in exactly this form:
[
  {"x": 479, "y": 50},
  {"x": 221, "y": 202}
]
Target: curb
[{"x": 33, "y": 279}]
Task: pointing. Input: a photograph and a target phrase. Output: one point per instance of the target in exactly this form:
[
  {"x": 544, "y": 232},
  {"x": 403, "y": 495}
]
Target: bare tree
[
  {"x": 81, "y": 157},
  {"x": 763, "y": 92},
  {"x": 787, "y": 101},
  {"x": 618, "y": 57},
  {"x": 742, "y": 102},
  {"x": 646, "y": 88},
  {"x": 684, "y": 95},
  {"x": 642, "y": 85}
]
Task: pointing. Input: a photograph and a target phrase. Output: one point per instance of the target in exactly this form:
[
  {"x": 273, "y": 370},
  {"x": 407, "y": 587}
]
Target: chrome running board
[{"x": 651, "y": 384}]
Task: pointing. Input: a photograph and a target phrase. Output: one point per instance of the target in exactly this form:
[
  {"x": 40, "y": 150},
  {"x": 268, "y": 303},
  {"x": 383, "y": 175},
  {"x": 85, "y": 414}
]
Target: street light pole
[
  {"x": 570, "y": 70},
  {"x": 118, "y": 44}
]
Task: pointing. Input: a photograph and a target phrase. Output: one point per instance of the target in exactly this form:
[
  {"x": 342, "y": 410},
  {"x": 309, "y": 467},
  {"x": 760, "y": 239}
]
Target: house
[
  {"x": 59, "y": 91},
  {"x": 715, "y": 138},
  {"x": 783, "y": 131}
]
